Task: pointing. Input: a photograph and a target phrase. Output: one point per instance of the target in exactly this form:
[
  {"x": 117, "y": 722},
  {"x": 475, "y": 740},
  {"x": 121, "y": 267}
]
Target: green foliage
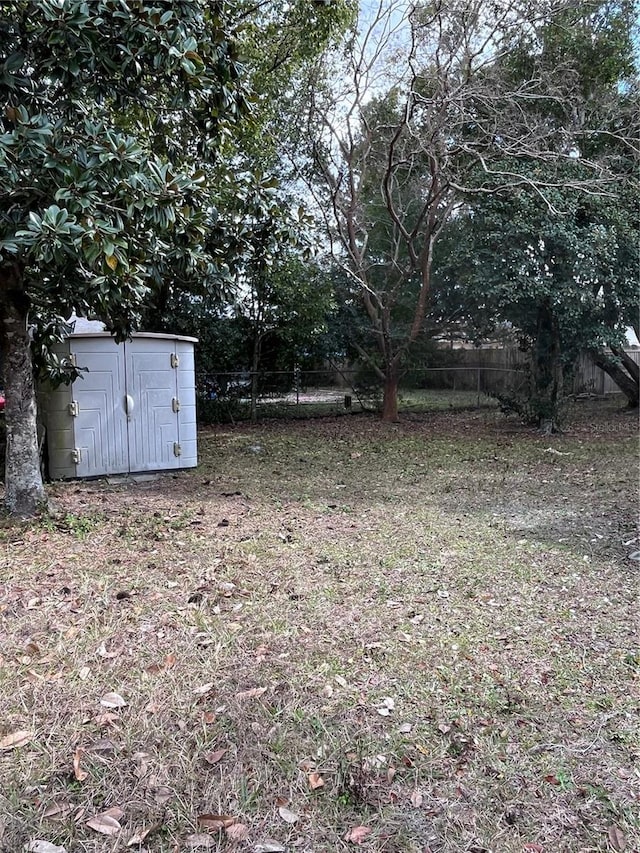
[
  {"x": 563, "y": 254},
  {"x": 280, "y": 42},
  {"x": 263, "y": 285},
  {"x": 114, "y": 113},
  {"x": 513, "y": 256}
]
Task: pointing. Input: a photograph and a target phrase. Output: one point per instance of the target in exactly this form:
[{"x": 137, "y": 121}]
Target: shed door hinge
[
  {"x": 76, "y": 455},
  {"x": 175, "y": 360},
  {"x": 175, "y": 405},
  {"x": 177, "y": 449},
  {"x": 74, "y": 409}
]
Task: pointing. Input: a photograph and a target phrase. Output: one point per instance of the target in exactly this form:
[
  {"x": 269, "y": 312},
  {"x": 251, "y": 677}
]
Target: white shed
[{"x": 132, "y": 410}]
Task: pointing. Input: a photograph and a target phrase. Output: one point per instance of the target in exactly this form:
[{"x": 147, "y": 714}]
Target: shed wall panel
[
  {"x": 100, "y": 426},
  {"x": 134, "y": 408},
  {"x": 187, "y": 423},
  {"x": 152, "y": 388}
]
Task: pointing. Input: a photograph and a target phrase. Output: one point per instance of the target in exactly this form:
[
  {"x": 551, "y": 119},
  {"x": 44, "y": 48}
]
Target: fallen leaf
[
  {"x": 142, "y": 764},
  {"x": 405, "y": 728},
  {"x": 551, "y": 779},
  {"x": 102, "y": 651},
  {"x": 533, "y": 846},
  {"x": 617, "y": 839},
  {"x": 139, "y": 837},
  {"x": 315, "y": 781},
  {"x": 113, "y": 700},
  {"x": 101, "y": 745},
  {"x": 416, "y": 799},
  {"x": 162, "y": 794},
  {"x": 287, "y": 815},
  {"x": 16, "y": 739},
  {"x": 237, "y": 832},
  {"x": 250, "y": 694},
  {"x": 57, "y": 810},
  {"x": 104, "y": 823},
  {"x": 114, "y": 811},
  {"x": 107, "y": 719},
  {"x": 214, "y": 756},
  {"x": 39, "y": 846},
  {"x": 269, "y": 846},
  {"x": 203, "y": 689},
  {"x": 200, "y": 839},
  {"x": 215, "y": 821},
  {"x": 209, "y": 717},
  {"x": 261, "y": 652},
  {"x": 78, "y": 772},
  {"x": 357, "y": 834},
  {"x": 83, "y": 673}
]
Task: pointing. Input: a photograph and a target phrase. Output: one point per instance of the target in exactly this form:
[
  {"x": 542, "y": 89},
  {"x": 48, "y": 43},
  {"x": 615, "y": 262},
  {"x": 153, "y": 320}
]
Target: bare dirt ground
[{"x": 333, "y": 635}]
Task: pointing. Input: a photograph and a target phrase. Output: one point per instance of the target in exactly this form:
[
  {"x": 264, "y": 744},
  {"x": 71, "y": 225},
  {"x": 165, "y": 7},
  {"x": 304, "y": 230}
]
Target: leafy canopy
[{"x": 113, "y": 111}]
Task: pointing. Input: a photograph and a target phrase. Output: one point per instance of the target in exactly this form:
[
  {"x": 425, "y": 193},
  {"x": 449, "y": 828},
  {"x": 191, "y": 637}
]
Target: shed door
[
  {"x": 100, "y": 429},
  {"x": 152, "y": 417}
]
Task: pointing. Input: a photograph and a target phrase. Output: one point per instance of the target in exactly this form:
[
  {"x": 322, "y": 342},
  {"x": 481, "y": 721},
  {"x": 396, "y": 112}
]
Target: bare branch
[{"x": 427, "y": 110}]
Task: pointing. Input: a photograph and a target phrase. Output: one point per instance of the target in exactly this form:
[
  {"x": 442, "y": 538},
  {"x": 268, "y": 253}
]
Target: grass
[
  {"x": 433, "y": 623},
  {"x": 318, "y": 402}
]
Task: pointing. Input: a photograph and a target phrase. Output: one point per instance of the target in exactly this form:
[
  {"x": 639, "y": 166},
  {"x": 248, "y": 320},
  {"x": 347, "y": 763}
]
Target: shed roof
[{"x": 162, "y": 335}]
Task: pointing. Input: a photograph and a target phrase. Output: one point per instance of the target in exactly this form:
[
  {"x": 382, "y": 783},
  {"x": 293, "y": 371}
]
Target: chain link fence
[{"x": 229, "y": 397}]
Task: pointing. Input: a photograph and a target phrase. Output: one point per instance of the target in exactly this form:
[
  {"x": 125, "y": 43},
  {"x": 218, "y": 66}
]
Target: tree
[
  {"x": 564, "y": 275},
  {"x": 260, "y": 213},
  {"x": 432, "y": 104},
  {"x": 112, "y": 113},
  {"x": 285, "y": 307}
]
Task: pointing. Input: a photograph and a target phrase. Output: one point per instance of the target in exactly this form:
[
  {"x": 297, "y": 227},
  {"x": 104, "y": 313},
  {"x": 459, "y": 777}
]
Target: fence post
[
  {"x": 478, "y": 400},
  {"x": 296, "y": 380}
]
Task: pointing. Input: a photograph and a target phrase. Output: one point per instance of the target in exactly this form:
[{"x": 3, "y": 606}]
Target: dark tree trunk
[
  {"x": 546, "y": 370},
  {"x": 24, "y": 494},
  {"x": 624, "y": 372},
  {"x": 390, "y": 394}
]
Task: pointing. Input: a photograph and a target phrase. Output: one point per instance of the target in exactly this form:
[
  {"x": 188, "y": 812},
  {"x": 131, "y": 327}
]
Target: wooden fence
[{"x": 587, "y": 377}]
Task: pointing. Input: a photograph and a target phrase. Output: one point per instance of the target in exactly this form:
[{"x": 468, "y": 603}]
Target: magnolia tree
[
  {"x": 112, "y": 114},
  {"x": 427, "y": 106}
]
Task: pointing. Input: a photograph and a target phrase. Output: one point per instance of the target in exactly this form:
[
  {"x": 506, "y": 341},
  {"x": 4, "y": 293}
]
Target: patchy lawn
[{"x": 333, "y": 635}]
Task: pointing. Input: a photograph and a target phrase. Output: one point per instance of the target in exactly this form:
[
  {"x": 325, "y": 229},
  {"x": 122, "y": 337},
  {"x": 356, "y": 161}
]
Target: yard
[{"x": 333, "y": 635}]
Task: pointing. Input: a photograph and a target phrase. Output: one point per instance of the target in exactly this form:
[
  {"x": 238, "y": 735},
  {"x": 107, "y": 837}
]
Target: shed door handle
[{"x": 128, "y": 404}]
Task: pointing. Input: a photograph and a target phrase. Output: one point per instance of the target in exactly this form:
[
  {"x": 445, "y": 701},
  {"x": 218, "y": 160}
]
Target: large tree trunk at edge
[
  {"x": 24, "y": 493},
  {"x": 624, "y": 372}
]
